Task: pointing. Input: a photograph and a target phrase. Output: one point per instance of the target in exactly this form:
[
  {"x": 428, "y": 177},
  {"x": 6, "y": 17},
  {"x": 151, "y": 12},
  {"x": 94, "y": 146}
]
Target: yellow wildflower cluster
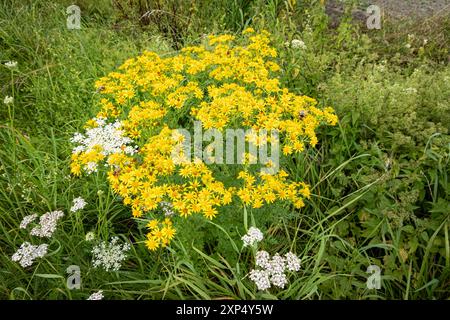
[
  {"x": 271, "y": 188},
  {"x": 160, "y": 233},
  {"x": 222, "y": 83}
]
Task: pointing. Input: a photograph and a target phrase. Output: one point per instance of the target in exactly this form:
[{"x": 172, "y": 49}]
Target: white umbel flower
[
  {"x": 11, "y": 64},
  {"x": 253, "y": 236},
  {"x": 27, "y": 220},
  {"x": 8, "y": 100},
  {"x": 109, "y": 256},
  {"x": 96, "y": 295},
  {"x": 47, "y": 224},
  {"x": 90, "y": 236},
  {"x": 27, "y": 253},
  {"x": 167, "y": 208},
  {"x": 298, "y": 44},
  {"x": 78, "y": 204},
  {"x": 108, "y": 136}
]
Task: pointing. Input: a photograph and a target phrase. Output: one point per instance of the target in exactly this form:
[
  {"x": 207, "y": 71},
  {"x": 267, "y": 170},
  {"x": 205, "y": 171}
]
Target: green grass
[{"x": 379, "y": 180}]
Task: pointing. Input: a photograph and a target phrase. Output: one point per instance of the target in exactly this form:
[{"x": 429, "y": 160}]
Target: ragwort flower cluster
[{"x": 224, "y": 83}]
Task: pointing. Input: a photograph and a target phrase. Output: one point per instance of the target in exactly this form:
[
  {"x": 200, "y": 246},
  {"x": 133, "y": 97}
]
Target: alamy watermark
[
  {"x": 241, "y": 147},
  {"x": 374, "y": 17},
  {"x": 374, "y": 280},
  {"x": 74, "y": 278},
  {"x": 74, "y": 17}
]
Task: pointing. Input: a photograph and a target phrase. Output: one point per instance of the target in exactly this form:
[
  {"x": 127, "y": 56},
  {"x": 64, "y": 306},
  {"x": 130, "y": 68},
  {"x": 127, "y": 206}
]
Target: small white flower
[
  {"x": 8, "y": 100},
  {"x": 47, "y": 224},
  {"x": 96, "y": 296},
  {"x": 100, "y": 121},
  {"x": 77, "y": 138},
  {"x": 91, "y": 167},
  {"x": 262, "y": 259},
  {"x": 277, "y": 264},
  {"x": 90, "y": 236},
  {"x": 292, "y": 261},
  {"x": 278, "y": 280},
  {"x": 110, "y": 255},
  {"x": 11, "y": 64},
  {"x": 78, "y": 204},
  {"x": 78, "y": 149},
  {"x": 273, "y": 269},
  {"x": 260, "y": 278},
  {"x": 107, "y": 138},
  {"x": 28, "y": 253},
  {"x": 253, "y": 236},
  {"x": 298, "y": 44},
  {"x": 167, "y": 208},
  {"x": 27, "y": 220},
  {"x": 130, "y": 150}
]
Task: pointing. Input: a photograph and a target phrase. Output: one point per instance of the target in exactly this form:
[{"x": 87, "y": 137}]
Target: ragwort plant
[{"x": 222, "y": 84}]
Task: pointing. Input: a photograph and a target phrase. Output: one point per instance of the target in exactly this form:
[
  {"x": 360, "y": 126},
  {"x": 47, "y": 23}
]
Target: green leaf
[{"x": 49, "y": 276}]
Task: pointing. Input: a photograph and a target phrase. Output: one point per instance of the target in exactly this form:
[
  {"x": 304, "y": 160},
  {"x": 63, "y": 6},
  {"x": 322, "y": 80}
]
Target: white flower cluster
[
  {"x": 167, "y": 208},
  {"x": 110, "y": 255},
  {"x": 293, "y": 262},
  {"x": 27, "y": 220},
  {"x": 11, "y": 64},
  {"x": 47, "y": 224},
  {"x": 108, "y": 136},
  {"x": 296, "y": 44},
  {"x": 253, "y": 236},
  {"x": 96, "y": 295},
  {"x": 273, "y": 269},
  {"x": 260, "y": 278},
  {"x": 78, "y": 204},
  {"x": 28, "y": 252},
  {"x": 8, "y": 100},
  {"x": 90, "y": 236}
]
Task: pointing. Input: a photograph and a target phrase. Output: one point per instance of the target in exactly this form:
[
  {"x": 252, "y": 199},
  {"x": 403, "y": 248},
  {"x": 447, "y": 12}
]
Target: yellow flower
[
  {"x": 75, "y": 168},
  {"x": 152, "y": 224},
  {"x": 168, "y": 232},
  {"x": 209, "y": 212},
  {"x": 157, "y": 233},
  {"x": 152, "y": 244},
  {"x": 287, "y": 150},
  {"x": 137, "y": 212}
]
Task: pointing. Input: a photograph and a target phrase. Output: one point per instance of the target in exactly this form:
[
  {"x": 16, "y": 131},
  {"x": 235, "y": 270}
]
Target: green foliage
[{"x": 379, "y": 181}]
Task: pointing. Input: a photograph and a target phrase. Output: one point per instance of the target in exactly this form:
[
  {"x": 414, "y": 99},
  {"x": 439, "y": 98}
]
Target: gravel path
[
  {"x": 396, "y": 9},
  {"x": 413, "y": 8}
]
